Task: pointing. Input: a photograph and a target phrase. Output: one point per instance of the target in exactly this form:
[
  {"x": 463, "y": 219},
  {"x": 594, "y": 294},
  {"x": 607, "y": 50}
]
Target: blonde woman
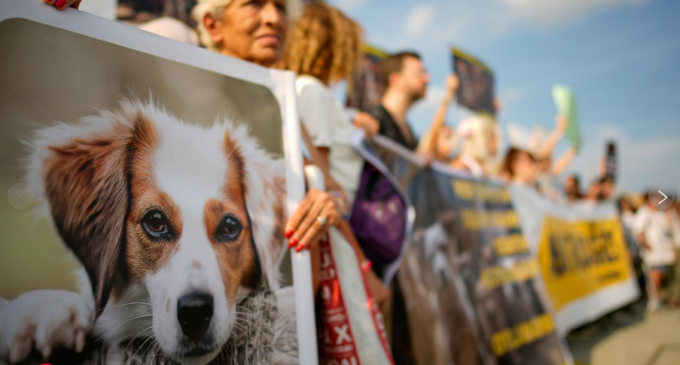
[{"x": 323, "y": 49}]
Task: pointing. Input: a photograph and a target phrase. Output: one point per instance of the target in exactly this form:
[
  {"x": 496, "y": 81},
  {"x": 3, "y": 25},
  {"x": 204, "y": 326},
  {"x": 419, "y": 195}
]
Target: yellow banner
[{"x": 579, "y": 258}]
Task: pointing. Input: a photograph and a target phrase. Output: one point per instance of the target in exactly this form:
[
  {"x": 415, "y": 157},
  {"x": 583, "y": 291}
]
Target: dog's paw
[{"x": 44, "y": 320}]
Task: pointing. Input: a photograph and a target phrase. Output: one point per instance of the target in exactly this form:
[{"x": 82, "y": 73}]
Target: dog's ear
[
  {"x": 265, "y": 199},
  {"x": 265, "y": 190},
  {"x": 81, "y": 170}
]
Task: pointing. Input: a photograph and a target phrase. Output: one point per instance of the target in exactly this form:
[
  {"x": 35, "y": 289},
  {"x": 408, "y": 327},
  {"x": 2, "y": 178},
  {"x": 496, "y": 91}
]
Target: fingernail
[
  {"x": 299, "y": 248},
  {"x": 292, "y": 243},
  {"x": 60, "y": 4},
  {"x": 49, "y": 2},
  {"x": 289, "y": 233}
]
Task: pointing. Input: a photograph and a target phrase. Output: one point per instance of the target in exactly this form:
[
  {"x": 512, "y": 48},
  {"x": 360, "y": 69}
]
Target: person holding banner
[
  {"x": 256, "y": 32},
  {"x": 323, "y": 50},
  {"x": 323, "y": 58}
]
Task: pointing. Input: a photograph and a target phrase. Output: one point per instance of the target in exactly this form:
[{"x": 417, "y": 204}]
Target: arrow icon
[{"x": 664, "y": 197}]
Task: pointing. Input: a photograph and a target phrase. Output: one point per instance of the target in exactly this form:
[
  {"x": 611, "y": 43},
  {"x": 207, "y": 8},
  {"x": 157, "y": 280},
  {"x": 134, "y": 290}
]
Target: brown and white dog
[{"x": 173, "y": 224}]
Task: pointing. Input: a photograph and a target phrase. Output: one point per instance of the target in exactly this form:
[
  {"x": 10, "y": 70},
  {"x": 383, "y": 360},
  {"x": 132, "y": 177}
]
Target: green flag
[{"x": 566, "y": 106}]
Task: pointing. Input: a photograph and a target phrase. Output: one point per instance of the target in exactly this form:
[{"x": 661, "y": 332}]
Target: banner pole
[{"x": 301, "y": 262}]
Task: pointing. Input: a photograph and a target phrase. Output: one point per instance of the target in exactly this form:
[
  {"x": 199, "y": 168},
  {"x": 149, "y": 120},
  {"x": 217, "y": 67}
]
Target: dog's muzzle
[{"x": 194, "y": 312}]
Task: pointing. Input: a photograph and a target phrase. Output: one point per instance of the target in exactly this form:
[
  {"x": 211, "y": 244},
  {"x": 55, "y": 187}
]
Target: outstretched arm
[
  {"x": 561, "y": 164},
  {"x": 561, "y": 124},
  {"x": 427, "y": 143}
]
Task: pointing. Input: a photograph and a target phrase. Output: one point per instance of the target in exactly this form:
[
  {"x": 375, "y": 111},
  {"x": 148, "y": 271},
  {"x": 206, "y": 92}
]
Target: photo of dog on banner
[
  {"x": 165, "y": 217},
  {"x": 174, "y": 288}
]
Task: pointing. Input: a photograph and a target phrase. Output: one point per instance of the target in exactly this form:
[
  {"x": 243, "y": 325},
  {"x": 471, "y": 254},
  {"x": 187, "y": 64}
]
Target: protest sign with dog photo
[{"x": 149, "y": 183}]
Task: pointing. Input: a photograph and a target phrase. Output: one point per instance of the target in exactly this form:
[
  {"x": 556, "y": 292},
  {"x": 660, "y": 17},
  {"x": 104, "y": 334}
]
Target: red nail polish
[
  {"x": 289, "y": 233},
  {"x": 60, "y": 4},
  {"x": 292, "y": 243},
  {"x": 299, "y": 248}
]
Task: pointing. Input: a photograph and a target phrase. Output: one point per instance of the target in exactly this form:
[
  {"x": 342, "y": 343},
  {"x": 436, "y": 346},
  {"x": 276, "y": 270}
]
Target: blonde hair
[
  {"x": 475, "y": 133},
  {"x": 204, "y": 7},
  {"x": 324, "y": 43}
]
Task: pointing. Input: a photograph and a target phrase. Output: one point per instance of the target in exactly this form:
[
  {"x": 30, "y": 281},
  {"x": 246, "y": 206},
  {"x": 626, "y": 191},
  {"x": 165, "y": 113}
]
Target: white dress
[
  {"x": 662, "y": 233},
  {"x": 329, "y": 127}
]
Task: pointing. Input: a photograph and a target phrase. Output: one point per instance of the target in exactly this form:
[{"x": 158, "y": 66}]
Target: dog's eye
[
  {"x": 229, "y": 229},
  {"x": 155, "y": 223}
]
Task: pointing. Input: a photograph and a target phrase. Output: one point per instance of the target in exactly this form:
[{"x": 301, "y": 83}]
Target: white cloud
[
  {"x": 419, "y": 19},
  {"x": 555, "y": 13}
]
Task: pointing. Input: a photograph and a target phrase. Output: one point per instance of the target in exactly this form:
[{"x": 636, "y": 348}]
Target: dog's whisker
[
  {"x": 124, "y": 305},
  {"x": 133, "y": 339},
  {"x": 122, "y": 323},
  {"x": 148, "y": 338},
  {"x": 157, "y": 351}
]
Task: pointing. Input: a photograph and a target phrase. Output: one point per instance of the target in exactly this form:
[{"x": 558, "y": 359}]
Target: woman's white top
[
  {"x": 662, "y": 231},
  {"x": 329, "y": 127}
]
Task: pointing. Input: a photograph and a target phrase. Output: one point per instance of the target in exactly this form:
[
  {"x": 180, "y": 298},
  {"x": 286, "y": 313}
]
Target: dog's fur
[{"x": 102, "y": 177}]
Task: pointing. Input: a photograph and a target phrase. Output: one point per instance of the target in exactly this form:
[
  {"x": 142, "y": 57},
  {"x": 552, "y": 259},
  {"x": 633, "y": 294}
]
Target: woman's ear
[{"x": 214, "y": 27}]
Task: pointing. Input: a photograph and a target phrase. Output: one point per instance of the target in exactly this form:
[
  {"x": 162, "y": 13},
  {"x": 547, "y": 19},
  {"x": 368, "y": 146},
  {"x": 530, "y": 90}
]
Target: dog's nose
[{"x": 194, "y": 312}]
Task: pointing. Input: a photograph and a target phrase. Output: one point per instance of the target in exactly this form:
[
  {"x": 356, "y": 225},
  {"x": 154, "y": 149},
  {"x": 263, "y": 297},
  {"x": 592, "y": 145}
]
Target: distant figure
[
  {"x": 405, "y": 80},
  {"x": 661, "y": 235},
  {"x": 479, "y": 138},
  {"x": 520, "y": 167},
  {"x": 572, "y": 188},
  {"x": 600, "y": 190}
]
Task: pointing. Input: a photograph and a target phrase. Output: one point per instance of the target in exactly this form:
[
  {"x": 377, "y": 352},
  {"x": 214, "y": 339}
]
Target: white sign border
[{"x": 281, "y": 83}]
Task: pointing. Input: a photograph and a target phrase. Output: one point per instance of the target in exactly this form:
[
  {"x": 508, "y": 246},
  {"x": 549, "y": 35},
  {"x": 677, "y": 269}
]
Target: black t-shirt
[{"x": 390, "y": 129}]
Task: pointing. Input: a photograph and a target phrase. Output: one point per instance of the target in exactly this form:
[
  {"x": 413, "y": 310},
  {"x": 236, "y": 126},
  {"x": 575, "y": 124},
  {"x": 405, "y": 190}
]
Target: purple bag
[{"x": 379, "y": 218}]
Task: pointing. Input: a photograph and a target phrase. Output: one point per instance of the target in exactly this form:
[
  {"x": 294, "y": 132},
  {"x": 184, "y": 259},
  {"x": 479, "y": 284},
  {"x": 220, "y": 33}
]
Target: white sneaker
[{"x": 653, "y": 305}]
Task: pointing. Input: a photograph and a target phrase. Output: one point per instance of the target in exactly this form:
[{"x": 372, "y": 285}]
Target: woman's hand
[
  {"x": 314, "y": 216},
  {"x": 63, "y": 4},
  {"x": 365, "y": 121}
]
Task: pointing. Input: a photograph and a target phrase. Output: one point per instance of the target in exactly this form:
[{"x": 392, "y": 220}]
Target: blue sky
[{"x": 620, "y": 57}]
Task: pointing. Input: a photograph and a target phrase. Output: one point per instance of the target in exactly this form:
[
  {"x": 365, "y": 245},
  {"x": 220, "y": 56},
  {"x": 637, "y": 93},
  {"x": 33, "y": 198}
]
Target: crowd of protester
[{"x": 324, "y": 47}]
